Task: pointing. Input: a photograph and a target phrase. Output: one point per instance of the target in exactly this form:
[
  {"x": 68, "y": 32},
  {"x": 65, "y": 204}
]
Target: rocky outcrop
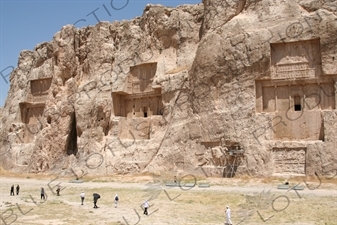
[{"x": 254, "y": 80}]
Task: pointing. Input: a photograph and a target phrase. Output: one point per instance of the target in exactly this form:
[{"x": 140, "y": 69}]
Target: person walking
[
  {"x": 96, "y": 197},
  {"x": 12, "y": 190},
  {"x": 146, "y": 206},
  {"x": 58, "y": 191},
  {"x": 116, "y": 201},
  {"x": 17, "y": 189},
  {"x": 82, "y": 195},
  {"x": 42, "y": 193},
  {"x": 228, "y": 216}
]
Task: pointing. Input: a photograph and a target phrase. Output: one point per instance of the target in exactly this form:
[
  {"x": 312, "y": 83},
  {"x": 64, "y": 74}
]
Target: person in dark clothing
[
  {"x": 58, "y": 191},
  {"x": 82, "y": 195},
  {"x": 12, "y": 190},
  {"x": 42, "y": 193},
  {"x": 116, "y": 201},
  {"x": 17, "y": 189},
  {"x": 96, "y": 197}
]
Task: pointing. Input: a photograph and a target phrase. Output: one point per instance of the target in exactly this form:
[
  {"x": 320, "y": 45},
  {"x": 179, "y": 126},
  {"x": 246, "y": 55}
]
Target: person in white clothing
[
  {"x": 146, "y": 205},
  {"x": 228, "y": 216},
  {"x": 82, "y": 195}
]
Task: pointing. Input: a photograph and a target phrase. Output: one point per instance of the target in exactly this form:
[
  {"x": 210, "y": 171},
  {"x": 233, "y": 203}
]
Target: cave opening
[{"x": 71, "y": 146}]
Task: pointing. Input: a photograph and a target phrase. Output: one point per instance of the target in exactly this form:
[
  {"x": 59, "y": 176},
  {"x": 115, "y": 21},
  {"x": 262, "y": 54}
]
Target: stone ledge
[{"x": 76, "y": 181}]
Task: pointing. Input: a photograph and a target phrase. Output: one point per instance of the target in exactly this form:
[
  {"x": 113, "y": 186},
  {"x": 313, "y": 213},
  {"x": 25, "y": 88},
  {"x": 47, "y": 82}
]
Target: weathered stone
[{"x": 222, "y": 88}]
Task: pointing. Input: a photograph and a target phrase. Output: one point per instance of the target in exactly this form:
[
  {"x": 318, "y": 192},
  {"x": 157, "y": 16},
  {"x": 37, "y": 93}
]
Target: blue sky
[{"x": 24, "y": 24}]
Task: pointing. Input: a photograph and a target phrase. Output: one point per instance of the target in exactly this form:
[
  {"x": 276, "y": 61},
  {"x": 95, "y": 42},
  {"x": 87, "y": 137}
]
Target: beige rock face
[{"x": 222, "y": 88}]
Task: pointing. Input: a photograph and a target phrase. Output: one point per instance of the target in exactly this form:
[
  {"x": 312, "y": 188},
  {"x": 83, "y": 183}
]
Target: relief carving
[
  {"x": 289, "y": 160},
  {"x": 295, "y": 59}
]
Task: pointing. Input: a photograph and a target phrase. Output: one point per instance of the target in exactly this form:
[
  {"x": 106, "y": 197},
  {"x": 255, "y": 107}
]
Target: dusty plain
[{"x": 252, "y": 200}]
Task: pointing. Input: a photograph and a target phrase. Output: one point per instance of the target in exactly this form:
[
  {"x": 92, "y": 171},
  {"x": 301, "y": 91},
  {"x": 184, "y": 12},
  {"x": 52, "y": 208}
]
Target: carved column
[
  {"x": 259, "y": 97},
  {"x": 290, "y": 93},
  {"x": 275, "y": 94},
  {"x": 335, "y": 91}
]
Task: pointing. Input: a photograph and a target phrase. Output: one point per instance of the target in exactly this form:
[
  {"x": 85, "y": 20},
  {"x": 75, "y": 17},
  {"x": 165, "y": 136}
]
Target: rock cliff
[{"x": 222, "y": 88}]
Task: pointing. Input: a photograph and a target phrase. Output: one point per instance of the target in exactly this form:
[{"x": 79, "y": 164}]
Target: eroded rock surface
[{"x": 235, "y": 87}]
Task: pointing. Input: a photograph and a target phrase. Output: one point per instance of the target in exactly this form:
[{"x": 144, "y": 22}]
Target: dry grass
[
  {"x": 169, "y": 205},
  {"x": 190, "y": 207},
  {"x": 6, "y": 173}
]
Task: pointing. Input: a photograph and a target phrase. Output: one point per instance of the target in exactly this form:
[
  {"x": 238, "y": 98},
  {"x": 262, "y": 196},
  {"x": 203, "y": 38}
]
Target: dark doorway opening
[
  {"x": 298, "y": 108},
  {"x": 297, "y": 101},
  {"x": 145, "y": 112},
  {"x": 71, "y": 146}
]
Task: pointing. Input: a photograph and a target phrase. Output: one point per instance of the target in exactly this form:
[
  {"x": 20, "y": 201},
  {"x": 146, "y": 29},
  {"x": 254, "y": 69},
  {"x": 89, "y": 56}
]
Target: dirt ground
[{"x": 252, "y": 201}]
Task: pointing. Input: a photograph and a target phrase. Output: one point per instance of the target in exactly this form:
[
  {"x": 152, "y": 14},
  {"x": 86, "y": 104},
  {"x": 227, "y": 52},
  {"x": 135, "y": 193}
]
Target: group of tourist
[
  {"x": 116, "y": 199},
  {"x": 96, "y": 196},
  {"x": 17, "y": 190},
  {"x": 82, "y": 196}
]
